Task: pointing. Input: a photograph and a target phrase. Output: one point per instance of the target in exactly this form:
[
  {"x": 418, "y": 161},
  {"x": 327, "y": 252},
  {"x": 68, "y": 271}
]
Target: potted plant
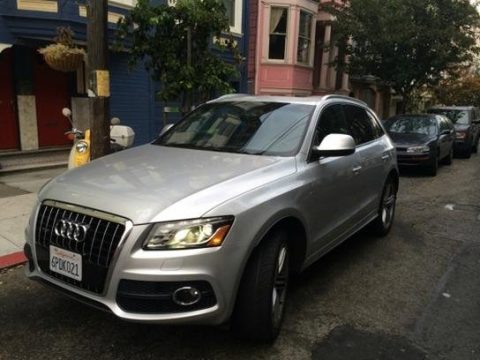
[{"x": 63, "y": 55}]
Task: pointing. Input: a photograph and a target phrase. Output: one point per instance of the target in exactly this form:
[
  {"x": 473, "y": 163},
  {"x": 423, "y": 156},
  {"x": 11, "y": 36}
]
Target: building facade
[
  {"x": 292, "y": 55},
  {"x": 32, "y": 94}
]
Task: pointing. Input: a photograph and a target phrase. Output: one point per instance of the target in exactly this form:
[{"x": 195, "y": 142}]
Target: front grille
[
  {"x": 97, "y": 250},
  {"x": 147, "y": 297}
]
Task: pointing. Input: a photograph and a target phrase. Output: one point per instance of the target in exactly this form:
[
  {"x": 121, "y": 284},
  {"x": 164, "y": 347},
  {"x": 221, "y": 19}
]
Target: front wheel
[
  {"x": 383, "y": 222},
  {"x": 260, "y": 306},
  {"x": 432, "y": 168}
]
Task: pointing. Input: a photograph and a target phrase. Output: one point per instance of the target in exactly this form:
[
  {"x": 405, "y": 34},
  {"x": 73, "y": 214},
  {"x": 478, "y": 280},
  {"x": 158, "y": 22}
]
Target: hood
[
  {"x": 410, "y": 139},
  {"x": 143, "y": 183}
]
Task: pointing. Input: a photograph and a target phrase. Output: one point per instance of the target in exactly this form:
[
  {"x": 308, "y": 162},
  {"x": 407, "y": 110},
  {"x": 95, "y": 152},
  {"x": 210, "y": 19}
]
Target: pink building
[{"x": 290, "y": 54}]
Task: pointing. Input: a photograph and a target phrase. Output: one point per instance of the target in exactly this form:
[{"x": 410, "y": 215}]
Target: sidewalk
[{"x": 18, "y": 193}]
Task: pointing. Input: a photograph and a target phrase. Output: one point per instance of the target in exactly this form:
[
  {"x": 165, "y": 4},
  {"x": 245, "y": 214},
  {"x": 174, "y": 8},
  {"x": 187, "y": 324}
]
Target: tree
[
  {"x": 175, "y": 45},
  {"x": 406, "y": 43},
  {"x": 461, "y": 90}
]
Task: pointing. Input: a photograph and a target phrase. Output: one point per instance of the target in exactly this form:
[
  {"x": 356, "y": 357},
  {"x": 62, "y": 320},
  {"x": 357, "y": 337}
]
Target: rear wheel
[
  {"x": 383, "y": 222},
  {"x": 260, "y": 306}
]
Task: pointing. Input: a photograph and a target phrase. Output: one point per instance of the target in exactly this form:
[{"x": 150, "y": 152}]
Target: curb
[{"x": 10, "y": 260}]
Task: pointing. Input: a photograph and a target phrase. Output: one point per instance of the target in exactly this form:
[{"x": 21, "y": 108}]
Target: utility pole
[{"x": 98, "y": 78}]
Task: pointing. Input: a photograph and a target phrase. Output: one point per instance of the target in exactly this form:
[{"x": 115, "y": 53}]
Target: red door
[
  {"x": 51, "y": 96},
  {"x": 8, "y": 121}
]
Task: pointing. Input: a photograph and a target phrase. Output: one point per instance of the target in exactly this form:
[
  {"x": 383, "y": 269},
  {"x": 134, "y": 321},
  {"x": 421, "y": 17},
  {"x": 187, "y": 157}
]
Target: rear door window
[
  {"x": 361, "y": 126},
  {"x": 332, "y": 121}
]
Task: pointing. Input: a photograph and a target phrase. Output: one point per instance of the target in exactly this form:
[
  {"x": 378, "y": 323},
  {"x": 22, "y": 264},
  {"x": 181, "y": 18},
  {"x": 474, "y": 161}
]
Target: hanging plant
[{"x": 63, "y": 55}]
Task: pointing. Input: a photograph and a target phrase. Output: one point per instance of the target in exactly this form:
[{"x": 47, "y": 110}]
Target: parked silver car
[{"x": 205, "y": 224}]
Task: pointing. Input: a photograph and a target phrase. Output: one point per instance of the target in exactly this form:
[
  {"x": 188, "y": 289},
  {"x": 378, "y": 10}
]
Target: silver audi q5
[{"x": 207, "y": 223}]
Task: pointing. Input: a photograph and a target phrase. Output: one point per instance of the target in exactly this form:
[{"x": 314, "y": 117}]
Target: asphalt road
[{"x": 412, "y": 295}]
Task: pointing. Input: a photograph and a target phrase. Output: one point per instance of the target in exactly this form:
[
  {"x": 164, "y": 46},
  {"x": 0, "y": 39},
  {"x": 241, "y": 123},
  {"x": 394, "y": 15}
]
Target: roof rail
[
  {"x": 344, "y": 97},
  {"x": 233, "y": 95}
]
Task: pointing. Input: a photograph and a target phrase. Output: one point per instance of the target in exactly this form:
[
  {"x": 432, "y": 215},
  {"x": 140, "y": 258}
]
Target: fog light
[{"x": 186, "y": 296}]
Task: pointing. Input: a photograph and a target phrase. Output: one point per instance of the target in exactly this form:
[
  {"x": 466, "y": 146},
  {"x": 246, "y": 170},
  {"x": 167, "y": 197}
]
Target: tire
[
  {"x": 432, "y": 169},
  {"x": 382, "y": 224},
  {"x": 475, "y": 146},
  {"x": 261, "y": 298},
  {"x": 449, "y": 158}
]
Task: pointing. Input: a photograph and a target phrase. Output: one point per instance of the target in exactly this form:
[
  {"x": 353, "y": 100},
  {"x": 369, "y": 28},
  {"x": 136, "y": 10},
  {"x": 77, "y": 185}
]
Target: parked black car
[
  {"x": 466, "y": 120},
  {"x": 422, "y": 140}
]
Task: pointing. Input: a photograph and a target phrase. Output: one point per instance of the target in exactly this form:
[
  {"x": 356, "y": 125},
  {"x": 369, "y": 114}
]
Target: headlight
[
  {"x": 186, "y": 234},
  {"x": 461, "y": 135},
  {"x": 81, "y": 146},
  {"x": 418, "y": 149}
]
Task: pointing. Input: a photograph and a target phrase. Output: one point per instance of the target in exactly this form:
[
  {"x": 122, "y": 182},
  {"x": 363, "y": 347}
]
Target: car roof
[
  {"x": 307, "y": 100},
  {"x": 453, "y": 107},
  {"x": 415, "y": 115}
]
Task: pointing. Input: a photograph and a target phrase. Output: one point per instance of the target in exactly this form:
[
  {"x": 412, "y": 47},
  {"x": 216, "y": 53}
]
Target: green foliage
[
  {"x": 462, "y": 90},
  {"x": 406, "y": 43},
  {"x": 157, "y": 35}
]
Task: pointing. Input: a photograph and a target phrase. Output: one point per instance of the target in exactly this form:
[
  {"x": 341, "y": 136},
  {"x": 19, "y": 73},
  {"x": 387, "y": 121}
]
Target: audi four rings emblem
[{"x": 71, "y": 230}]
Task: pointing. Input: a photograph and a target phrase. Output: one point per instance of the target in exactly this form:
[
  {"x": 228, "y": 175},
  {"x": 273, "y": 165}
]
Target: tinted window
[
  {"x": 332, "y": 121},
  {"x": 456, "y": 116},
  {"x": 269, "y": 128},
  {"x": 361, "y": 126},
  {"x": 443, "y": 124}
]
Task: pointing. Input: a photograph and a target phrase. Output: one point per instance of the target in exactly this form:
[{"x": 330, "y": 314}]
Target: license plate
[{"x": 66, "y": 263}]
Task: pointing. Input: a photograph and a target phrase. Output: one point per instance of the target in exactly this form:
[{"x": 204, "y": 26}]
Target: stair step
[
  {"x": 11, "y": 161},
  {"x": 33, "y": 159}
]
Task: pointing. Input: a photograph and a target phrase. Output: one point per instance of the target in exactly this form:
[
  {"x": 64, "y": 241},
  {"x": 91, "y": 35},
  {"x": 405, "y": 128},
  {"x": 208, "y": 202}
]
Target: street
[{"x": 412, "y": 295}]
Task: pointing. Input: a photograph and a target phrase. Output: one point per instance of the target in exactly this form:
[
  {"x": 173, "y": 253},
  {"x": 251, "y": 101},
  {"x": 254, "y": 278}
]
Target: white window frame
[
  {"x": 126, "y": 4},
  {"x": 237, "y": 27},
  {"x": 237, "y": 21}
]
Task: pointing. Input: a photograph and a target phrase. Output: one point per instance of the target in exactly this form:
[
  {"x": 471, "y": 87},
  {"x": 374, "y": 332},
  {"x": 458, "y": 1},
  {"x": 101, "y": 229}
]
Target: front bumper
[
  {"x": 413, "y": 159},
  {"x": 216, "y": 271}
]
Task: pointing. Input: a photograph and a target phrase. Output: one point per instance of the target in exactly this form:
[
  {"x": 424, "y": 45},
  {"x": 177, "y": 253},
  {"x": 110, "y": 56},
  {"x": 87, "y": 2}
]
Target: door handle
[{"x": 357, "y": 169}]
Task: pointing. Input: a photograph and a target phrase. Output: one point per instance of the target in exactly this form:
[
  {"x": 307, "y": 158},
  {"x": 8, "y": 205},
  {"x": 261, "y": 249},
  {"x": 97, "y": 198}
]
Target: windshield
[
  {"x": 456, "y": 116},
  {"x": 249, "y": 127},
  {"x": 411, "y": 125}
]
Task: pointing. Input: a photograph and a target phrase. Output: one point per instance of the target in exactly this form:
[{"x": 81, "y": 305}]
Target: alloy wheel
[
  {"x": 388, "y": 205},
  {"x": 280, "y": 284}
]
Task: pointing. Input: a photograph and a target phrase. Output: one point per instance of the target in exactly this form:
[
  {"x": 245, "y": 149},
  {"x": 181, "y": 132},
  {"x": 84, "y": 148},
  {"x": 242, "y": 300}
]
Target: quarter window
[
  {"x": 278, "y": 33},
  {"x": 304, "y": 37},
  {"x": 378, "y": 131},
  {"x": 360, "y": 125}
]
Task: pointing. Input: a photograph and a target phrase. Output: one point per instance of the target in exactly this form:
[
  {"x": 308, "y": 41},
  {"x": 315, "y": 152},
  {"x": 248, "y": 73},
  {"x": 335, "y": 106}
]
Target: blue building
[{"x": 32, "y": 94}]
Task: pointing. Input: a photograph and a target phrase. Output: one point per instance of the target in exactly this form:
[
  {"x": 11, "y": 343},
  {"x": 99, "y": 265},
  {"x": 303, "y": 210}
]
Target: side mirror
[
  {"x": 66, "y": 112},
  {"x": 446, "y": 132},
  {"x": 165, "y": 129},
  {"x": 335, "y": 145},
  {"x": 115, "y": 121}
]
